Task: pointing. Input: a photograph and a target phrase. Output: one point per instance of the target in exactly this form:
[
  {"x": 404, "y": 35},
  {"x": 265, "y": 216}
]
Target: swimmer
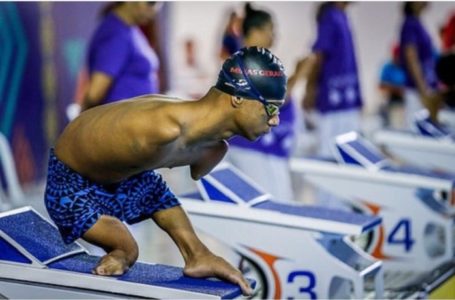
[{"x": 101, "y": 171}]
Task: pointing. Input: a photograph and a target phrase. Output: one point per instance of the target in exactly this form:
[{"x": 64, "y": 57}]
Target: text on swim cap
[{"x": 257, "y": 72}]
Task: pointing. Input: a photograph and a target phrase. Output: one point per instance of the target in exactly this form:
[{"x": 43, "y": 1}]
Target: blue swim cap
[{"x": 253, "y": 73}]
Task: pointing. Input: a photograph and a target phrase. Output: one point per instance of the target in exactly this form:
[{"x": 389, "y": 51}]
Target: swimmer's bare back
[{"x": 111, "y": 142}]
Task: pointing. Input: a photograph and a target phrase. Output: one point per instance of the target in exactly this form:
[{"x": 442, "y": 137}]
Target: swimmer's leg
[{"x": 113, "y": 236}]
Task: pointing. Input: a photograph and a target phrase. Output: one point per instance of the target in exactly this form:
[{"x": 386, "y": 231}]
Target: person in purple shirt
[
  {"x": 266, "y": 160},
  {"x": 418, "y": 58},
  {"x": 121, "y": 63},
  {"x": 333, "y": 88}
]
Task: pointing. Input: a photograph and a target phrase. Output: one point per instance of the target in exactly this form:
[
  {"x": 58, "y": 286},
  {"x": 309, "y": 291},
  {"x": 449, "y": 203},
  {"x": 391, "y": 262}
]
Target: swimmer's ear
[{"x": 236, "y": 101}]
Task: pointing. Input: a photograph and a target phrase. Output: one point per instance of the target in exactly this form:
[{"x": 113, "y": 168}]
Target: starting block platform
[
  {"x": 35, "y": 263},
  {"x": 428, "y": 146},
  {"x": 226, "y": 184},
  {"x": 417, "y": 206},
  {"x": 293, "y": 251}
]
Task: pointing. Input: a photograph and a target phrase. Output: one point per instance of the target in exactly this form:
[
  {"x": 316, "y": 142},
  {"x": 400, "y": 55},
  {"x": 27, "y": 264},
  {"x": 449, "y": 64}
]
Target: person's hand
[
  {"x": 73, "y": 111},
  {"x": 207, "y": 264}
]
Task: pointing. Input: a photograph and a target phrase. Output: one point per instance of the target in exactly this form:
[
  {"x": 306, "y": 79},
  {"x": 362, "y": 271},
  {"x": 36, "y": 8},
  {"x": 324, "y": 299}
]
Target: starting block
[
  {"x": 35, "y": 263},
  {"x": 430, "y": 146},
  {"x": 292, "y": 251},
  {"x": 417, "y": 206}
]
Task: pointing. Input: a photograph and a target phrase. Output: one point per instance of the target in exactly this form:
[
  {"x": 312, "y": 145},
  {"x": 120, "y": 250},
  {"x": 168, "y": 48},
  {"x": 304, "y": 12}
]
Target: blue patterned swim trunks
[{"x": 75, "y": 203}]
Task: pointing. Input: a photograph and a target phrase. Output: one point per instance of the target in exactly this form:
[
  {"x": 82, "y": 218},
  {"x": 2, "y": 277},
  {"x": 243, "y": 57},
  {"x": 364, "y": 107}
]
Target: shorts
[{"x": 75, "y": 203}]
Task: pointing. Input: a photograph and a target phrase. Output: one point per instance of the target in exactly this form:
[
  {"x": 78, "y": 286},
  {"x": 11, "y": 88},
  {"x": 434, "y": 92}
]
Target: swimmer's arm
[
  {"x": 99, "y": 85},
  {"x": 199, "y": 260},
  {"x": 208, "y": 159}
]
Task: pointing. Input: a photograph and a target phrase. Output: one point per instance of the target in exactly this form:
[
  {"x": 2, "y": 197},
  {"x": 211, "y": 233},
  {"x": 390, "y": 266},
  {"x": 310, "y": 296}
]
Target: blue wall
[{"x": 42, "y": 48}]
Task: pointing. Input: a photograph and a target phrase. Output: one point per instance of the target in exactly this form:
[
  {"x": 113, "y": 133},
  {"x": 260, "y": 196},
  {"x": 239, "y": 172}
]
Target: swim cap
[{"x": 253, "y": 73}]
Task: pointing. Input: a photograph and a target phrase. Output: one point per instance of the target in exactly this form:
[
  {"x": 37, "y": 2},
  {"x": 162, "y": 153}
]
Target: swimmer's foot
[{"x": 113, "y": 263}]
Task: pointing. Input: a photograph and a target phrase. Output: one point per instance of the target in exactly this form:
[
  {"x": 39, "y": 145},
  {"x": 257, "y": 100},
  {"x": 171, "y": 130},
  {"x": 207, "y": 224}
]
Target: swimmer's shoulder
[{"x": 159, "y": 98}]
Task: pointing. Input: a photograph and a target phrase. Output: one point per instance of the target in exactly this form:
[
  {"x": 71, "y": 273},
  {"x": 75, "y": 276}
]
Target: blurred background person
[
  {"x": 266, "y": 160},
  {"x": 232, "y": 40},
  {"x": 333, "y": 88},
  {"x": 121, "y": 63},
  {"x": 448, "y": 34},
  {"x": 391, "y": 84},
  {"x": 445, "y": 67},
  {"x": 445, "y": 70},
  {"x": 418, "y": 57},
  {"x": 191, "y": 78}
]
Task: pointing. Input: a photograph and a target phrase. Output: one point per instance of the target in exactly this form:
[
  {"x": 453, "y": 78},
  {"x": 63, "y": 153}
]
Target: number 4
[{"x": 403, "y": 230}]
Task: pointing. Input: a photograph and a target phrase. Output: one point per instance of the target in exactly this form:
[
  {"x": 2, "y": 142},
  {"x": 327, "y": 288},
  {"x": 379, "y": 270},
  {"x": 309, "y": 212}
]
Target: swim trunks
[{"x": 75, "y": 203}]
